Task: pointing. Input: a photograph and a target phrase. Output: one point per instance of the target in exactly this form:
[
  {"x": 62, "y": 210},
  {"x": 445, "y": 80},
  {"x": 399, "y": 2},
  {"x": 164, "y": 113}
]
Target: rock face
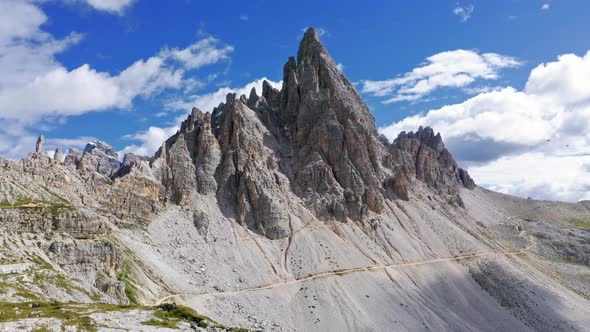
[
  {"x": 334, "y": 151},
  {"x": 73, "y": 157},
  {"x": 423, "y": 155},
  {"x": 101, "y": 156},
  {"x": 132, "y": 159},
  {"x": 189, "y": 159}
]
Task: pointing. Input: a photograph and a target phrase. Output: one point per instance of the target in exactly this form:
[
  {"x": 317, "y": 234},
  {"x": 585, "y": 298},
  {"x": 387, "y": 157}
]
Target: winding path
[{"x": 339, "y": 273}]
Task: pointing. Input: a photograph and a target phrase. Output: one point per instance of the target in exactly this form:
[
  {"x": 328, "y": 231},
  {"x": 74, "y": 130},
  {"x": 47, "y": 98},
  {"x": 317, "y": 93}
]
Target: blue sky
[{"x": 126, "y": 71}]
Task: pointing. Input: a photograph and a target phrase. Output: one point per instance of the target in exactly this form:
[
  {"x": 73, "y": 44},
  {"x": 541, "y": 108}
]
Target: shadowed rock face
[{"x": 334, "y": 149}]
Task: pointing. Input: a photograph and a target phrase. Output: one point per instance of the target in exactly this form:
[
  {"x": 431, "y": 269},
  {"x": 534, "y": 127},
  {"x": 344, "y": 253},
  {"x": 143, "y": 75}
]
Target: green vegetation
[
  {"x": 78, "y": 315},
  {"x": 17, "y": 311},
  {"x": 59, "y": 280},
  {"x": 581, "y": 223},
  {"x": 56, "y": 207},
  {"x": 130, "y": 291},
  {"x": 169, "y": 314},
  {"x": 19, "y": 290},
  {"x": 74, "y": 315}
]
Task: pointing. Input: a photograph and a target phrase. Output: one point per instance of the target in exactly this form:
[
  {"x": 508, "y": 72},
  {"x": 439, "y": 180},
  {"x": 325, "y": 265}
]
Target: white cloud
[
  {"x": 56, "y": 90},
  {"x": 464, "y": 12},
  {"x": 151, "y": 139},
  {"x": 340, "y": 66},
  {"x": 244, "y": 18},
  {"x": 458, "y": 68},
  {"x": 509, "y": 132},
  {"x": 20, "y": 19},
  {"x": 538, "y": 175},
  {"x": 112, "y": 6},
  {"x": 545, "y": 6},
  {"x": 35, "y": 87},
  {"x": 204, "y": 52}
]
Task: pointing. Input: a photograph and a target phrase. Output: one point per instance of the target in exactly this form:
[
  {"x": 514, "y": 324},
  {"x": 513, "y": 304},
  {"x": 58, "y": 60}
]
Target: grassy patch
[
  {"x": 71, "y": 315},
  {"x": 77, "y": 315},
  {"x": 581, "y": 223},
  {"x": 130, "y": 291},
  {"x": 61, "y": 205},
  {"x": 168, "y": 315},
  {"x": 18, "y": 289},
  {"x": 44, "y": 277}
]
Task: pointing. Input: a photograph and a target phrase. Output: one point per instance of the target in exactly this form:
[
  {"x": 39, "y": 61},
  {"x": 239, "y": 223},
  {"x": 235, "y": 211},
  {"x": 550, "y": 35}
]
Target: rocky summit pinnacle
[{"x": 315, "y": 140}]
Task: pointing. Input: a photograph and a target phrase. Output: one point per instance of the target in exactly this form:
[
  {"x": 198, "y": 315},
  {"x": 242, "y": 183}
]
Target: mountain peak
[
  {"x": 310, "y": 46},
  {"x": 310, "y": 33}
]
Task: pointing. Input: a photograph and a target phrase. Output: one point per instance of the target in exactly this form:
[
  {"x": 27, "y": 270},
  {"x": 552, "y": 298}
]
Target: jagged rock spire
[
  {"x": 39, "y": 145},
  {"x": 58, "y": 155},
  {"x": 333, "y": 136}
]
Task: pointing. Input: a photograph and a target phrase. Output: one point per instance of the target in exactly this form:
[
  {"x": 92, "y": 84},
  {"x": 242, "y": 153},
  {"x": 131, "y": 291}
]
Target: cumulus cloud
[
  {"x": 545, "y": 6},
  {"x": 542, "y": 126},
  {"x": 36, "y": 87},
  {"x": 151, "y": 139},
  {"x": 538, "y": 175},
  {"x": 456, "y": 69},
  {"x": 204, "y": 52},
  {"x": 112, "y": 6},
  {"x": 464, "y": 12}
]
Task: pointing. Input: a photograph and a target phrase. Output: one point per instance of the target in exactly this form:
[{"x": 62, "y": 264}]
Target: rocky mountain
[{"x": 287, "y": 211}]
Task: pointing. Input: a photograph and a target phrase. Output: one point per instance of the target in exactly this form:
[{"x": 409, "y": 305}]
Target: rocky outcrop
[
  {"x": 133, "y": 159},
  {"x": 423, "y": 154},
  {"x": 58, "y": 155},
  {"x": 187, "y": 161},
  {"x": 73, "y": 157},
  {"x": 101, "y": 156},
  {"x": 96, "y": 262},
  {"x": 39, "y": 145}
]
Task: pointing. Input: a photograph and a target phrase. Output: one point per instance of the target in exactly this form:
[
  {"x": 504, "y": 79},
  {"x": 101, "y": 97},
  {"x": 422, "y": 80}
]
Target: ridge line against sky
[{"x": 501, "y": 109}]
